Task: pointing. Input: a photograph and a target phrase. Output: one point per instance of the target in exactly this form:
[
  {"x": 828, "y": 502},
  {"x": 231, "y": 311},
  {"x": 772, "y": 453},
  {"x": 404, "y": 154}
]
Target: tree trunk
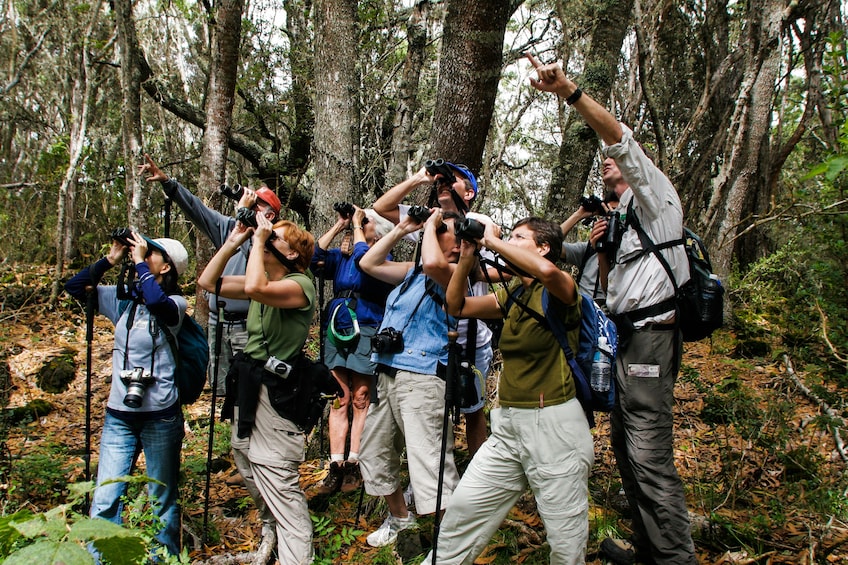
[
  {"x": 220, "y": 97},
  {"x": 138, "y": 194},
  {"x": 741, "y": 175},
  {"x": 336, "y": 142},
  {"x": 470, "y": 69},
  {"x": 82, "y": 98},
  {"x": 403, "y": 151},
  {"x": 578, "y": 149}
]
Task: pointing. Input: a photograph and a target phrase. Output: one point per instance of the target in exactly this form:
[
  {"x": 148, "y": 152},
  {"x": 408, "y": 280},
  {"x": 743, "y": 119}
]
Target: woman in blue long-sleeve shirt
[{"x": 143, "y": 409}]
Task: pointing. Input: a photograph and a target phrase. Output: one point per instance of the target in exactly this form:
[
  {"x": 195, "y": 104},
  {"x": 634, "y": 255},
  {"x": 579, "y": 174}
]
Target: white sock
[
  {"x": 353, "y": 456},
  {"x": 337, "y": 457}
]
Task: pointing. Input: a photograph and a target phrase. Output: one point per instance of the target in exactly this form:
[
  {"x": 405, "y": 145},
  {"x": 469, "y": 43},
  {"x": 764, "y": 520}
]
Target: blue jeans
[{"x": 120, "y": 445}]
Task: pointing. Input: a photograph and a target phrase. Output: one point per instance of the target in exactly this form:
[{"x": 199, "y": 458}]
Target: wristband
[
  {"x": 357, "y": 227},
  {"x": 575, "y": 96}
]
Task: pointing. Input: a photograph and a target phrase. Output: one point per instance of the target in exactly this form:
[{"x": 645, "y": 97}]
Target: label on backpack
[{"x": 643, "y": 371}]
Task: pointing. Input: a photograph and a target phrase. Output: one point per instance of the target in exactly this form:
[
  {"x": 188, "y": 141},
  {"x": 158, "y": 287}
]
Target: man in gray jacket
[
  {"x": 640, "y": 297},
  {"x": 233, "y": 326}
]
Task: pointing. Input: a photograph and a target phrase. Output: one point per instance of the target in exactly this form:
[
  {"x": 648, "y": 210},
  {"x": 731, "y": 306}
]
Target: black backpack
[{"x": 699, "y": 302}]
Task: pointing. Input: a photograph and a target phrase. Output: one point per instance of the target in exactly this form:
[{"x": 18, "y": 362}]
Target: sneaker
[
  {"x": 333, "y": 481},
  {"x": 618, "y": 551},
  {"x": 388, "y": 532},
  {"x": 352, "y": 479}
]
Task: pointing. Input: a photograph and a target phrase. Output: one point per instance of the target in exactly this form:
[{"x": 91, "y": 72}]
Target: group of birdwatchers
[{"x": 389, "y": 327}]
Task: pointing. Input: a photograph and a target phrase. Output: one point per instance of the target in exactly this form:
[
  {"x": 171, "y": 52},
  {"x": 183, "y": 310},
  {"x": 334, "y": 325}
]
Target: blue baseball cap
[{"x": 466, "y": 172}]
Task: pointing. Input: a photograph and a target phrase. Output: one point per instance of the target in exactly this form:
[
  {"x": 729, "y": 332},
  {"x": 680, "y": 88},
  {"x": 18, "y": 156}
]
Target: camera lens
[{"x": 135, "y": 395}]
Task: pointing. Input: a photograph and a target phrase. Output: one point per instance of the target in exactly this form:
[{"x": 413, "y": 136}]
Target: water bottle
[
  {"x": 711, "y": 303},
  {"x": 601, "y": 367}
]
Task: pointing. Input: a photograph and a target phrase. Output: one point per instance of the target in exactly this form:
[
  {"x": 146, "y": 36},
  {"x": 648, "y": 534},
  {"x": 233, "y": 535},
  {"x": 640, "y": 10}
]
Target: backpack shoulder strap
[{"x": 648, "y": 245}]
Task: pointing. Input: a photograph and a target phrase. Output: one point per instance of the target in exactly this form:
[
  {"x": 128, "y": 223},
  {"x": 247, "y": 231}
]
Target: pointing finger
[{"x": 533, "y": 60}]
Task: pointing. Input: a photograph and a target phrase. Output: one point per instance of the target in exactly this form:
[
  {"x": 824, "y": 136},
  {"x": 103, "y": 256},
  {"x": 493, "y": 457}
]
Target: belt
[{"x": 234, "y": 317}]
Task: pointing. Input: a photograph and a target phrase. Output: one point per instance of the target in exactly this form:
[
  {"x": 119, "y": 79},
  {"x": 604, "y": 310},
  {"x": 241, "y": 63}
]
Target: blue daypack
[
  {"x": 191, "y": 354},
  {"x": 593, "y": 325}
]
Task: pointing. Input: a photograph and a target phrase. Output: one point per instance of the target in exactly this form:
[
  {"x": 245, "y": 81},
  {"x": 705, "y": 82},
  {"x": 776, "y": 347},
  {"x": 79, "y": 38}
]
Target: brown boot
[
  {"x": 352, "y": 477},
  {"x": 333, "y": 481}
]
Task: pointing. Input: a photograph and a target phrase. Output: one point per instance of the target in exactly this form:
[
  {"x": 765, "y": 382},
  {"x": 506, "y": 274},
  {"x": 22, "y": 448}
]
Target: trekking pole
[
  {"x": 321, "y": 321},
  {"x": 450, "y": 379},
  {"x": 90, "y": 302},
  {"x": 167, "y": 217},
  {"x": 215, "y": 365}
]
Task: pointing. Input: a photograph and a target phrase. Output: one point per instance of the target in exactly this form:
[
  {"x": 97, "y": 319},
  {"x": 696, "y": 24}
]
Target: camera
[
  {"x": 388, "y": 340},
  {"x": 247, "y": 217},
  {"x": 419, "y": 214},
  {"x": 122, "y": 235},
  {"x": 136, "y": 380},
  {"x": 466, "y": 390},
  {"x": 440, "y": 167},
  {"x": 469, "y": 229},
  {"x": 233, "y": 193},
  {"x": 612, "y": 237},
  {"x": 344, "y": 209},
  {"x": 592, "y": 204},
  {"x": 277, "y": 367}
]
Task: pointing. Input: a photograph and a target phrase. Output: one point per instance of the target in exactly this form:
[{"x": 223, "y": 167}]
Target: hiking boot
[
  {"x": 333, "y": 481},
  {"x": 235, "y": 480},
  {"x": 623, "y": 552},
  {"x": 618, "y": 551},
  {"x": 388, "y": 532},
  {"x": 352, "y": 479}
]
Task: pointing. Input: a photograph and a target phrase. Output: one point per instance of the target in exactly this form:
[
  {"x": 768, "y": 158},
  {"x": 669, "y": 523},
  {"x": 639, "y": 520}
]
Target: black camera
[
  {"x": 344, "y": 209},
  {"x": 136, "y": 380},
  {"x": 611, "y": 239},
  {"x": 440, "y": 167},
  {"x": 419, "y": 213},
  {"x": 466, "y": 386},
  {"x": 122, "y": 235},
  {"x": 469, "y": 229},
  {"x": 233, "y": 193},
  {"x": 388, "y": 340},
  {"x": 592, "y": 204},
  {"x": 247, "y": 217}
]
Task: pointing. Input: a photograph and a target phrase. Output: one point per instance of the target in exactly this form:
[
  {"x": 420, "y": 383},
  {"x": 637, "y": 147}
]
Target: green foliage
[
  {"x": 60, "y": 535},
  {"x": 330, "y": 541},
  {"x": 41, "y": 474}
]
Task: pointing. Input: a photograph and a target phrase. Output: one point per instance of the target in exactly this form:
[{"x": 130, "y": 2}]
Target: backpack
[
  {"x": 593, "y": 326},
  {"x": 191, "y": 354},
  {"x": 700, "y": 301}
]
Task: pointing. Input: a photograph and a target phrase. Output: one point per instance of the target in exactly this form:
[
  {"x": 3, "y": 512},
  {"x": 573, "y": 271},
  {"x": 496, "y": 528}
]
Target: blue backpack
[
  {"x": 191, "y": 353},
  {"x": 593, "y": 325}
]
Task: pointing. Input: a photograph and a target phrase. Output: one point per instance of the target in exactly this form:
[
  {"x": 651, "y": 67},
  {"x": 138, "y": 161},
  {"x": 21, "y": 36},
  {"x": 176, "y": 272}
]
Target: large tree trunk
[
  {"x": 220, "y": 93},
  {"x": 336, "y": 142},
  {"x": 741, "y": 175},
  {"x": 403, "y": 151},
  {"x": 469, "y": 72},
  {"x": 138, "y": 194},
  {"x": 578, "y": 149}
]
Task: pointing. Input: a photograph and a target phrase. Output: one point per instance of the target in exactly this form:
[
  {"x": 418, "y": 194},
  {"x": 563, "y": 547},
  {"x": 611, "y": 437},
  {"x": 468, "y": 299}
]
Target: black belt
[{"x": 234, "y": 317}]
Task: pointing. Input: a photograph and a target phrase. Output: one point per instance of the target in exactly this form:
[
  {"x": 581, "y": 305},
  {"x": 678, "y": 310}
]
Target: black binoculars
[
  {"x": 419, "y": 213},
  {"x": 440, "y": 167},
  {"x": 469, "y": 229},
  {"x": 233, "y": 193}
]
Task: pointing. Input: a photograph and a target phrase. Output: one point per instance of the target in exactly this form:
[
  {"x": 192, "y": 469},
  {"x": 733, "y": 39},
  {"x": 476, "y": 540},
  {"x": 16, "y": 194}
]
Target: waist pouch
[{"x": 300, "y": 398}]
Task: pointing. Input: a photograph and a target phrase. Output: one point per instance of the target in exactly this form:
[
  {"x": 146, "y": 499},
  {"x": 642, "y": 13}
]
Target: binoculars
[{"x": 440, "y": 167}]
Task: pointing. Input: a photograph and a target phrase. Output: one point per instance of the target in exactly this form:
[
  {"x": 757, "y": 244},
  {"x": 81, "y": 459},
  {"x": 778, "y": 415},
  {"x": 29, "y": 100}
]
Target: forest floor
[{"x": 763, "y": 471}]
